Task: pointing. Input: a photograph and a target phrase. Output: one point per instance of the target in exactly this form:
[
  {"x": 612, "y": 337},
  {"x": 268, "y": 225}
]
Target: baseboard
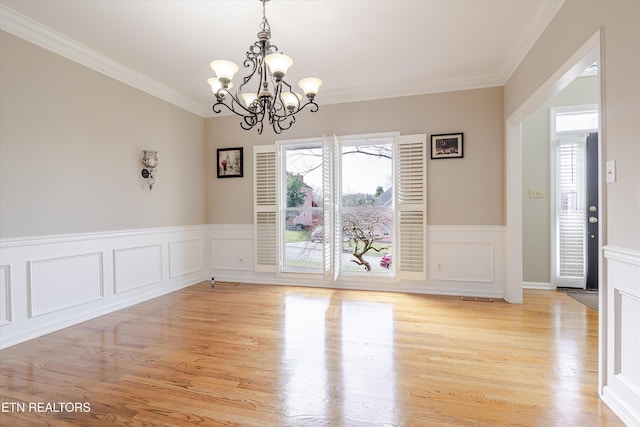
[
  {"x": 630, "y": 416},
  {"x": 536, "y": 285},
  {"x": 413, "y": 287}
]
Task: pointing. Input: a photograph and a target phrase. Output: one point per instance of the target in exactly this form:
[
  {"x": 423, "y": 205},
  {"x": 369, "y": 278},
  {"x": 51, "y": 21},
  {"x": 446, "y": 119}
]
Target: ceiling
[{"x": 361, "y": 49}]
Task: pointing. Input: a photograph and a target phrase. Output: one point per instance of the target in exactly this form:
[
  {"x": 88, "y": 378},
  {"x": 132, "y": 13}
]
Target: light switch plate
[
  {"x": 611, "y": 171},
  {"x": 536, "y": 193}
]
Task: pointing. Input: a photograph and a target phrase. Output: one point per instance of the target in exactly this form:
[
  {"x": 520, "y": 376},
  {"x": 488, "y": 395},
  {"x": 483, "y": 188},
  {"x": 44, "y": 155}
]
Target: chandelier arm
[
  {"x": 249, "y": 122},
  {"x": 313, "y": 108},
  {"x": 253, "y": 61},
  {"x": 234, "y": 103},
  {"x": 277, "y": 104},
  {"x": 287, "y": 120},
  {"x": 272, "y": 98}
]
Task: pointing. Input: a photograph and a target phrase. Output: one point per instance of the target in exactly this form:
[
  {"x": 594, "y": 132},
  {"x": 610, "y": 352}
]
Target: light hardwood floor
[{"x": 258, "y": 355}]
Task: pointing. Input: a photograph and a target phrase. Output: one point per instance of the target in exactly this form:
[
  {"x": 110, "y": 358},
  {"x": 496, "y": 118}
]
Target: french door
[{"x": 341, "y": 207}]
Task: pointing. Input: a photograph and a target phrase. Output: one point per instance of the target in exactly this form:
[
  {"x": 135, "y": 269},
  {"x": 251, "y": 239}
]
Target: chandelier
[{"x": 263, "y": 93}]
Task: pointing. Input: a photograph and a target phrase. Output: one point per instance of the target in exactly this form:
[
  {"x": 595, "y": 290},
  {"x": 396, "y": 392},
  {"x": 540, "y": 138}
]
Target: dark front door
[{"x": 593, "y": 211}]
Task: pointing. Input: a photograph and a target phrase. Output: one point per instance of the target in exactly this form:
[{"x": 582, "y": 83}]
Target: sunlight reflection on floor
[{"x": 361, "y": 360}]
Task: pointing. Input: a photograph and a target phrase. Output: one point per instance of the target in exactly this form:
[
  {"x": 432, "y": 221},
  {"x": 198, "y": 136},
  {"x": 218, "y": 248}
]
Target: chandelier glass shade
[{"x": 263, "y": 95}]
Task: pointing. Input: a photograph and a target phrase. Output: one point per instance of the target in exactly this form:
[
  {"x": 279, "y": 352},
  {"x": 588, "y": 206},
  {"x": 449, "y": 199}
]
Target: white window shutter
[
  {"x": 265, "y": 208},
  {"x": 570, "y": 210},
  {"x": 411, "y": 205},
  {"x": 327, "y": 207},
  {"x": 335, "y": 211}
]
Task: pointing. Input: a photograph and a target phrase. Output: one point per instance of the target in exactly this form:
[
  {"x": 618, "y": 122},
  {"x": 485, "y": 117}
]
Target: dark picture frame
[
  {"x": 447, "y": 146},
  {"x": 229, "y": 162}
]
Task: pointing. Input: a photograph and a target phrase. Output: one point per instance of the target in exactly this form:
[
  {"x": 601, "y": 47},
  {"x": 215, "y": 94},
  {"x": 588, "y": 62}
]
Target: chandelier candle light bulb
[
  {"x": 249, "y": 99},
  {"x": 291, "y": 100},
  {"x": 216, "y": 85},
  {"x": 310, "y": 86},
  {"x": 274, "y": 99},
  {"x": 278, "y": 65},
  {"x": 225, "y": 70}
]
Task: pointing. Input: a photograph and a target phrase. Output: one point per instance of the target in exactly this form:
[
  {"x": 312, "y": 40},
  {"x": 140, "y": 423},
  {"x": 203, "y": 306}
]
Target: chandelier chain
[{"x": 264, "y": 25}]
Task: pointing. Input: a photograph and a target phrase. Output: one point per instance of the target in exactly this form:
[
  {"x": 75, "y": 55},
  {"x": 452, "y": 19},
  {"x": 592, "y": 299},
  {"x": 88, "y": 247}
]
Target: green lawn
[{"x": 297, "y": 236}]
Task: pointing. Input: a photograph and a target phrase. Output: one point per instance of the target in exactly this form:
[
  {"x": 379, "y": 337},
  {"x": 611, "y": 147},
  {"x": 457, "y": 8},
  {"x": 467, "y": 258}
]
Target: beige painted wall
[
  {"x": 536, "y": 173},
  {"x": 468, "y": 191},
  {"x": 71, "y": 146},
  {"x": 572, "y": 26}
]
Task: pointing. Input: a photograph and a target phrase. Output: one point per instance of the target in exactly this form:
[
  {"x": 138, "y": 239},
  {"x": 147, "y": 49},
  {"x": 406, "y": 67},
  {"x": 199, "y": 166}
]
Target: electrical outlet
[{"x": 439, "y": 268}]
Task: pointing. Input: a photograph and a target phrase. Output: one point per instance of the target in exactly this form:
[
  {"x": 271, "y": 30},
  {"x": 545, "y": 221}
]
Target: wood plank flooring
[{"x": 258, "y": 355}]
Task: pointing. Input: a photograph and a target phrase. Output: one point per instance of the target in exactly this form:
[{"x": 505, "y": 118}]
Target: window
[
  {"x": 570, "y": 209},
  {"x": 338, "y": 203},
  {"x": 303, "y": 215}
]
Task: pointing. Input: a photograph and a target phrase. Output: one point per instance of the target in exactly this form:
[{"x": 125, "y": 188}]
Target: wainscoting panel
[
  {"x": 470, "y": 262},
  {"x": 621, "y": 389},
  {"x": 185, "y": 257},
  {"x": 232, "y": 247},
  {"x": 49, "y": 283},
  {"x": 136, "y": 267},
  {"x": 233, "y": 254},
  {"x": 627, "y": 322},
  {"x": 58, "y": 283},
  {"x": 471, "y": 259},
  {"x": 5, "y": 295},
  {"x": 465, "y": 260}
]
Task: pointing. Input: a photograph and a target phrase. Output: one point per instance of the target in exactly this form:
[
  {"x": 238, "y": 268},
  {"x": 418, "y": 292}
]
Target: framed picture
[
  {"x": 229, "y": 162},
  {"x": 447, "y": 146}
]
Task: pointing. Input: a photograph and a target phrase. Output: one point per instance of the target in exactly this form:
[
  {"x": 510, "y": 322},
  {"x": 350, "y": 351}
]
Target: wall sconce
[{"x": 150, "y": 162}]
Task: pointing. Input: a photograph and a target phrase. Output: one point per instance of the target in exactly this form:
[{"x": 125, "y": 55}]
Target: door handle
[{"x": 593, "y": 220}]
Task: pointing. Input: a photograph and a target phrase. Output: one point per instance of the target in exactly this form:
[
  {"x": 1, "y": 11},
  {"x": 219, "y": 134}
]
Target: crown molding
[
  {"x": 402, "y": 90},
  {"x": 544, "y": 14},
  {"x": 47, "y": 38},
  {"x": 413, "y": 88}
]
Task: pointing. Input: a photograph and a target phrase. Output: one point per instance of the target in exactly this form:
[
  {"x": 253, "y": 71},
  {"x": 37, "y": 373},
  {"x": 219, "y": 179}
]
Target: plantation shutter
[
  {"x": 265, "y": 208},
  {"x": 327, "y": 206},
  {"x": 411, "y": 207},
  {"x": 335, "y": 211},
  {"x": 570, "y": 209}
]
